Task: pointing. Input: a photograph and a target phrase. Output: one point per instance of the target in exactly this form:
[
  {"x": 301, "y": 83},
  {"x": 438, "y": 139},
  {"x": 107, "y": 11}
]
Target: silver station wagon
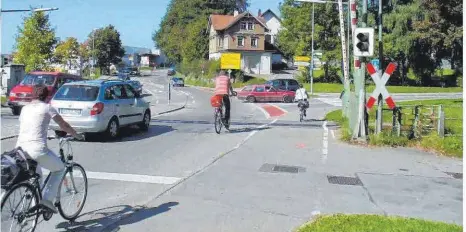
[{"x": 100, "y": 106}]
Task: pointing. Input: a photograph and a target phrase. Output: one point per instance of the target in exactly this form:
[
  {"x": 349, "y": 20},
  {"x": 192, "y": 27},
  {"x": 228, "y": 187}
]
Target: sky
[{"x": 136, "y": 20}]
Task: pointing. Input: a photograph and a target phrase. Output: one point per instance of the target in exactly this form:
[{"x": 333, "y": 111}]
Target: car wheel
[
  {"x": 287, "y": 99},
  {"x": 113, "y": 129},
  {"x": 60, "y": 134},
  {"x": 251, "y": 99},
  {"x": 145, "y": 124},
  {"x": 16, "y": 111}
]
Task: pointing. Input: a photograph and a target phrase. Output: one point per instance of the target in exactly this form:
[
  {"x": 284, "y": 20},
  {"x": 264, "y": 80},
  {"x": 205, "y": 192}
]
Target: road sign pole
[
  {"x": 311, "y": 65},
  {"x": 379, "y": 120}
]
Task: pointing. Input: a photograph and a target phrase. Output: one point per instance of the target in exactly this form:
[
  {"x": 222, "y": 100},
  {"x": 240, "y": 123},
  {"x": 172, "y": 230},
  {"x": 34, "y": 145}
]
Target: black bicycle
[
  {"x": 25, "y": 213},
  {"x": 219, "y": 119},
  {"x": 302, "y": 108}
]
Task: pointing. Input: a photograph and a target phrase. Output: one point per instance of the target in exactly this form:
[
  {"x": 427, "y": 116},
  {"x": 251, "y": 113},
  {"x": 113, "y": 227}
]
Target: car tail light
[{"x": 97, "y": 108}]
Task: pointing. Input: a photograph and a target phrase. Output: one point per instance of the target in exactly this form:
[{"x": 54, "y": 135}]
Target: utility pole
[
  {"x": 344, "y": 55},
  {"x": 311, "y": 65},
  {"x": 379, "y": 118}
]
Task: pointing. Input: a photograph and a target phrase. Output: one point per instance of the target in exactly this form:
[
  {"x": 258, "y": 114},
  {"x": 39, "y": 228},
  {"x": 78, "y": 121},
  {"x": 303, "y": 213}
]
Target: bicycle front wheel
[
  {"x": 218, "y": 120},
  {"x": 72, "y": 192},
  {"x": 15, "y": 208}
]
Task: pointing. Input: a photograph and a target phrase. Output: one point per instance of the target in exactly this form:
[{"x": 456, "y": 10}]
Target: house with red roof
[{"x": 241, "y": 33}]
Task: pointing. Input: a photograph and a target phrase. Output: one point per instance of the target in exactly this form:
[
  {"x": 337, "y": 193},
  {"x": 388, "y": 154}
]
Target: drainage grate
[
  {"x": 344, "y": 180},
  {"x": 455, "y": 175},
  {"x": 281, "y": 168}
]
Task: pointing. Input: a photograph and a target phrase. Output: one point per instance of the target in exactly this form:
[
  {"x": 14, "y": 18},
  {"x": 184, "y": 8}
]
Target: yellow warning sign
[{"x": 230, "y": 61}]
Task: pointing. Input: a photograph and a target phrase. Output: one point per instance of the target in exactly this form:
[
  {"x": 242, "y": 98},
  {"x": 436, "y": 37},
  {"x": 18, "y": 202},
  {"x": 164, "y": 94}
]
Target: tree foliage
[
  {"x": 417, "y": 34},
  {"x": 183, "y": 32},
  {"x": 105, "y": 45},
  {"x": 67, "y": 51},
  {"x": 35, "y": 42}
]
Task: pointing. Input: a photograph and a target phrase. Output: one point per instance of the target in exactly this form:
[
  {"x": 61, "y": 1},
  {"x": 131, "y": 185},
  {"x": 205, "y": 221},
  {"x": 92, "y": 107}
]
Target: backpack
[{"x": 16, "y": 167}]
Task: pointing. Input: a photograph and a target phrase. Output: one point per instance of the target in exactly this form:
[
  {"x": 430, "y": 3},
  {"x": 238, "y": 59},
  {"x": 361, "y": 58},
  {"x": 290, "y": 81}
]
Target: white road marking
[
  {"x": 325, "y": 143},
  {"x": 267, "y": 115},
  {"x": 333, "y": 133},
  {"x": 127, "y": 177},
  {"x": 252, "y": 133},
  {"x": 331, "y": 101}
]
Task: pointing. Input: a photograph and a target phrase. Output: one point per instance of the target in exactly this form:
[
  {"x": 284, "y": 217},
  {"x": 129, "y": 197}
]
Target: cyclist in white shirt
[
  {"x": 33, "y": 126},
  {"x": 301, "y": 97}
]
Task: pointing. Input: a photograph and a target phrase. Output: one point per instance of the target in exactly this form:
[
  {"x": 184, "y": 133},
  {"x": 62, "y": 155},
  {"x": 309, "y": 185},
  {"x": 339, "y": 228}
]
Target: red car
[
  {"x": 265, "y": 93},
  {"x": 21, "y": 94}
]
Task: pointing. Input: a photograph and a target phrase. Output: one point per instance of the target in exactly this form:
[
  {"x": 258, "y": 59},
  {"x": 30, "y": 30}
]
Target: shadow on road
[
  {"x": 102, "y": 218},
  {"x": 309, "y": 123},
  {"x": 247, "y": 129},
  {"x": 133, "y": 133}
]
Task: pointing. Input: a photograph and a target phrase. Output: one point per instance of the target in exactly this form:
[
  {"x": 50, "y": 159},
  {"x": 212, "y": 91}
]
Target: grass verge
[
  {"x": 338, "y": 88},
  {"x": 451, "y": 145},
  {"x": 3, "y": 98},
  {"x": 375, "y": 223}
]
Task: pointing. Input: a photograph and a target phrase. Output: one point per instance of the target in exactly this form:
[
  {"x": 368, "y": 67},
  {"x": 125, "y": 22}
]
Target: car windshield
[
  {"x": 77, "y": 93},
  {"x": 34, "y": 79}
]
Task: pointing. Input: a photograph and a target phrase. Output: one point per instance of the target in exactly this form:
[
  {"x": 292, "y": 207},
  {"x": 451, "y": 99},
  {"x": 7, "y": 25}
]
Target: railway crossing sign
[{"x": 380, "y": 87}]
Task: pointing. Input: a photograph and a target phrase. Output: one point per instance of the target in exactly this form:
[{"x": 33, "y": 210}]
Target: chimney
[
  {"x": 259, "y": 13},
  {"x": 235, "y": 13}
]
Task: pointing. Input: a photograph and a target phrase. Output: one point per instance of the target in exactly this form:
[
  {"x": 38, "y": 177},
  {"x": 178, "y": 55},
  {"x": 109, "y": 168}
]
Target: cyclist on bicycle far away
[
  {"x": 33, "y": 125},
  {"x": 301, "y": 97},
  {"x": 223, "y": 87}
]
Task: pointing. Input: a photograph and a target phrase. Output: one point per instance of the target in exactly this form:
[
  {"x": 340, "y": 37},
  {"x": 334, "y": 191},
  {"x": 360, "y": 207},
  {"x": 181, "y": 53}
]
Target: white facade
[{"x": 273, "y": 23}]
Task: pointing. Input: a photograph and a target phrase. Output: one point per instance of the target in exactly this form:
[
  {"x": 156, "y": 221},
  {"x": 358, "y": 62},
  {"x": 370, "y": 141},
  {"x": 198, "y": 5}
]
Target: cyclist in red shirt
[{"x": 223, "y": 87}]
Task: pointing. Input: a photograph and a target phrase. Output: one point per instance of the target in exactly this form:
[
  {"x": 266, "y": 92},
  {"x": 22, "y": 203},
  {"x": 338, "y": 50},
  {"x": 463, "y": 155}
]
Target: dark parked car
[
  {"x": 171, "y": 72},
  {"x": 284, "y": 84}
]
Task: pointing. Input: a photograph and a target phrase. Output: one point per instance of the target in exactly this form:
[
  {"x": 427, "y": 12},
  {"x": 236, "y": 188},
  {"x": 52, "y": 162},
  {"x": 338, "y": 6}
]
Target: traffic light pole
[{"x": 361, "y": 130}]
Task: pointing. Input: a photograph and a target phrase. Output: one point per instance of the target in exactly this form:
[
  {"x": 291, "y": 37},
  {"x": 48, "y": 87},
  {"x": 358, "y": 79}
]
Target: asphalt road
[{"x": 267, "y": 174}]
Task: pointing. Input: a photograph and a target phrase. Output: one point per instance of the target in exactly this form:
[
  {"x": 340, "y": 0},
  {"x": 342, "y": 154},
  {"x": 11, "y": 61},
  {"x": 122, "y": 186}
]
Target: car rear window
[
  {"x": 77, "y": 93},
  {"x": 293, "y": 82}
]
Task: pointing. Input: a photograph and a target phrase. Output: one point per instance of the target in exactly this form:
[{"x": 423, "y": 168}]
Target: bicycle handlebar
[{"x": 66, "y": 138}]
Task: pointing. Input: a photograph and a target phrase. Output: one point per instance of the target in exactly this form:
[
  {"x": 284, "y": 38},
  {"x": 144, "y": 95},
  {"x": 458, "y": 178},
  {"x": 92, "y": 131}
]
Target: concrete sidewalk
[{"x": 286, "y": 174}]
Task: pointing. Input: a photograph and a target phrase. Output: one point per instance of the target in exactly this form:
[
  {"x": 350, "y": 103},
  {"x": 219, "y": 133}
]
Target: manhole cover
[
  {"x": 281, "y": 168},
  {"x": 344, "y": 180},
  {"x": 455, "y": 175}
]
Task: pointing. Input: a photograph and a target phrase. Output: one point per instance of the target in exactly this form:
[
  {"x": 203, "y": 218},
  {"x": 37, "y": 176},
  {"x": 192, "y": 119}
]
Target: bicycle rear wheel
[
  {"x": 15, "y": 208},
  {"x": 72, "y": 192},
  {"x": 218, "y": 120}
]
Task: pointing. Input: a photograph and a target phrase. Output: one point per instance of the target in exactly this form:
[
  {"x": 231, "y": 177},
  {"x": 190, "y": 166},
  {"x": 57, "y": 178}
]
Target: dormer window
[{"x": 245, "y": 25}]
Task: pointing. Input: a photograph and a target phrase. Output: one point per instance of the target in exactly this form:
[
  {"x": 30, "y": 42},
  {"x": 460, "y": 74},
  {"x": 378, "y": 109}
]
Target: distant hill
[{"x": 138, "y": 50}]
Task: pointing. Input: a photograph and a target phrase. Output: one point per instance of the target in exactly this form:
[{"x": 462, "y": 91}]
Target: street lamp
[
  {"x": 12, "y": 11},
  {"x": 311, "y": 69}
]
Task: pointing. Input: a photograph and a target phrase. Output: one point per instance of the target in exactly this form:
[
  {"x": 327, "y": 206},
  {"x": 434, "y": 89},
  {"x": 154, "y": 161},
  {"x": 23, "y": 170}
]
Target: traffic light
[
  {"x": 363, "y": 44},
  {"x": 4, "y": 61}
]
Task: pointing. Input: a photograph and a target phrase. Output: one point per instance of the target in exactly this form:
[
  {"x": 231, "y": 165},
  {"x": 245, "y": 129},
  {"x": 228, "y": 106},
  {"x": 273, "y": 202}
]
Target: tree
[
  {"x": 35, "y": 42},
  {"x": 107, "y": 47},
  {"x": 183, "y": 31},
  {"x": 67, "y": 52}
]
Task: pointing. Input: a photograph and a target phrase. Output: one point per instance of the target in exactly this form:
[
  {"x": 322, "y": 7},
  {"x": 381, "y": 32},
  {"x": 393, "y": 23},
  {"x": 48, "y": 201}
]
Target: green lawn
[
  {"x": 375, "y": 223},
  {"x": 146, "y": 68},
  {"x": 451, "y": 145},
  {"x": 338, "y": 88},
  {"x": 3, "y": 98}
]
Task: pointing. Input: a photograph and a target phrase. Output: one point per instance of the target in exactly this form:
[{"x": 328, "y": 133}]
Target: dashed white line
[{"x": 325, "y": 143}]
